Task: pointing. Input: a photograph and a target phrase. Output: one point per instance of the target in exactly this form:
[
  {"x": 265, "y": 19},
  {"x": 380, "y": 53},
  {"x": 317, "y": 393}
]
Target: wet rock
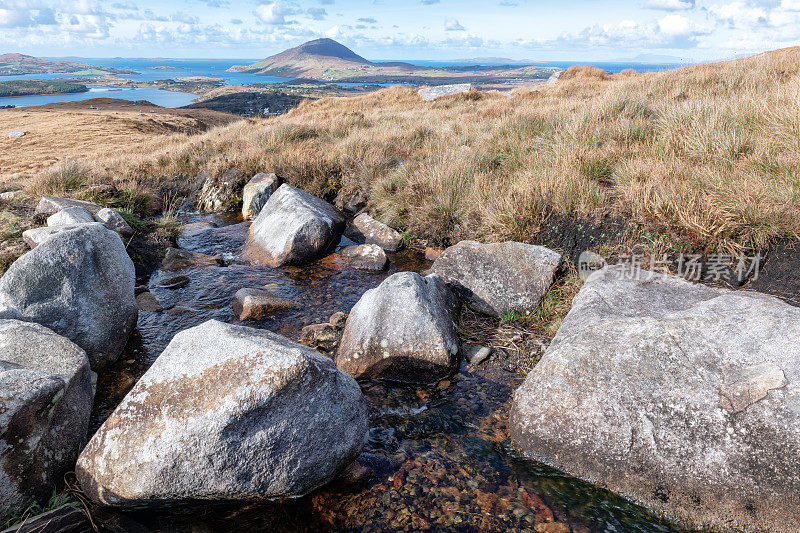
[
  {"x": 35, "y": 236},
  {"x": 145, "y": 301},
  {"x": 226, "y": 413},
  {"x": 173, "y": 283},
  {"x": 112, "y": 220},
  {"x": 476, "y": 354},
  {"x": 50, "y": 205},
  {"x": 432, "y": 93},
  {"x": 177, "y": 259},
  {"x": 324, "y": 336},
  {"x": 682, "y": 397},
  {"x": 221, "y": 192},
  {"x": 69, "y": 216},
  {"x": 79, "y": 283},
  {"x": 365, "y": 257},
  {"x": 65, "y": 519},
  {"x": 498, "y": 278},
  {"x": 251, "y": 303},
  {"x": 209, "y": 239},
  {"x": 257, "y": 192},
  {"x": 403, "y": 329},
  {"x": 45, "y": 402},
  {"x": 366, "y": 230},
  {"x": 294, "y": 227},
  {"x": 338, "y": 319}
]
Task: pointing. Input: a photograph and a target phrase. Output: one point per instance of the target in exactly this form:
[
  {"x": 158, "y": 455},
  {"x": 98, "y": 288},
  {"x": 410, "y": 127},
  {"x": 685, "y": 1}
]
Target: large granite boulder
[
  {"x": 70, "y": 215},
  {"x": 293, "y": 227},
  {"x": 79, "y": 283},
  {"x": 402, "y": 330},
  {"x": 682, "y": 397},
  {"x": 257, "y": 192},
  {"x": 49, "y": 205},
  {"x": 497, "y": 278},
  {"x": 366, "y": 230},
  {"x": 45, "y": 401},
  {"x": 432, "y": 93},
  {"x": 35, "y": 236},
  {"x": 226, "y": 413}
]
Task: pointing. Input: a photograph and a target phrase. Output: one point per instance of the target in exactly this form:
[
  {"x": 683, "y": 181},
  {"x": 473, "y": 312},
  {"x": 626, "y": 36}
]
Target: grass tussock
[{"x": 708, "y": 155}]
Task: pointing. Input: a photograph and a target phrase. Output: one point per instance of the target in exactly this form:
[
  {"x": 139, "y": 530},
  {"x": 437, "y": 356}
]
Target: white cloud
[
  {"x": 669, "y": 5},
  {"x": 274, "y": 14},
  {"x": 453, "y": 25}
]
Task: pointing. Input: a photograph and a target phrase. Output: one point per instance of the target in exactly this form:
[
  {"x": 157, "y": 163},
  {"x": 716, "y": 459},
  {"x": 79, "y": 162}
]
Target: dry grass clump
[
  {"x": 707, "y": 155},
  {"x": 585, "y": 71}
]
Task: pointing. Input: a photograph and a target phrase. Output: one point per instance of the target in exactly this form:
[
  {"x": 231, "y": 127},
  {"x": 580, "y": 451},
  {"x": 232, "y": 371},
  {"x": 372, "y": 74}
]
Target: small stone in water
[
  {"x": 178, "y": 282},
  {"x": 338, "y": 319},
  {"x": 476, "y": 353}
]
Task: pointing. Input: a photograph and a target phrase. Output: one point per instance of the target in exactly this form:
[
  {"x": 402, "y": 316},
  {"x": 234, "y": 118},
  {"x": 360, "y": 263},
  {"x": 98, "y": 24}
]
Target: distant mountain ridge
[{"x": 21, "y": 64}]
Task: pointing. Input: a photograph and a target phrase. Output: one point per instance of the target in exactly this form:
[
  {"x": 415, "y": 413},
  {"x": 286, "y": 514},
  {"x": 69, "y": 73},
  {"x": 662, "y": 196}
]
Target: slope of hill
[
  {"x": 325, "y": 59},
  {"x": 20, "y": 64}
]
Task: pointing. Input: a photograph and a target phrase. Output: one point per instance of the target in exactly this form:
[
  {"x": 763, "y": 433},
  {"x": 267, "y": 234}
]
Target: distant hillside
[
  {"x": 20, "y": 64},
  {"x": 325, "y": 59},
  {"x": 34, "y": 87}
]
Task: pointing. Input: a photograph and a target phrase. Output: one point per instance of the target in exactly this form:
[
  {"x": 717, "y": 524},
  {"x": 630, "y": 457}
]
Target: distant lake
[{"x": 151, "y": 94}]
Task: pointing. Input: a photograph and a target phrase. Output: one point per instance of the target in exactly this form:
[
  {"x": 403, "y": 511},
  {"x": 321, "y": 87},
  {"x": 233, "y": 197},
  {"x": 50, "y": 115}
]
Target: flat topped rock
[
  {"x": 682, "y": 397},
  {"x": 365, "y": 257},
  {"x": 16, "y": 134},
  {"x": 70, "y": 215},
  {"x": 366, "y": 230},
  {"x": 251, "y": 303},
  {"x": 49, "y": 205},
  {"x": 432, "y": 93},
  {"x": 35, "y": 236}
]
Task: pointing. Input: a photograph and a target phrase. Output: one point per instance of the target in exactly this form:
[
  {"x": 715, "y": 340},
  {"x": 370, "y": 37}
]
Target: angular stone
[
  {"x": 366, "y": 230},
  {"x": 69, "y": 216},
  {"x": 293, "y": 227},
  {"x": 338, "y": 319},
  {"x": 249, "y": 303},
  {"x": 45, "y": 401},
  {"x": 257, "y": 192},
  {"x": 365, "y": 257},
  {"x": 145, "y": 301},
  {"x": 112, "y": 220},
  {"x": 497, "y": 278},
  {"x": 403, "y": 329},
  {"x": 226, "y": 413},
  {"x": 432, "y": 93},
  {"x": 79, "y": 283},
  {"x": 682, "y": 397},
  {"x": 50, "y": 205}
]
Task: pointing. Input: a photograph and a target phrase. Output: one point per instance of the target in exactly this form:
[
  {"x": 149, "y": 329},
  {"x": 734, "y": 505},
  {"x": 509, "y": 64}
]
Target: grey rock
[
  {"x": 476, "y": 354},
  {"x": 366, "y": 230},
  {"x": 684, "y": 398},
  {"x": 49, "y": 205},
  {"x": 145, "y": 301},
  {"x": 249, "y": 303},
  {"x": 257, "y": 192},
  {"x": 221, "y": 192},
  {"x": 324, "y": 336},
  {"x": 500, "y": 277},
  {"x": 79, "y": 283},
  {"x": 226, "y": 413},
  {"x": 112, "y": 220},
  {"x": 45, "y": 402},
  {"x": 403, "y": 329},
  {"x": 35, "y": 236},
  {"x": 227, "y": 241},
  {"x": 16, "y": 134},
  {"x": 294, "y": 227},
  {"x": 432, "y": 93},
  {"x": 338, "y": 319},
  {"x": 10, "y": 196},
  {"x": 365, "y": 257},
  {"x": 177, "y": 259},
  {"x": 69, "y": 216}
]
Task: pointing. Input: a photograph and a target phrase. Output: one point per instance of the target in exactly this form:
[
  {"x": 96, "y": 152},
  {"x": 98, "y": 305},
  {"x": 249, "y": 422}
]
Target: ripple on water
[{"x": 435, "y": 457}]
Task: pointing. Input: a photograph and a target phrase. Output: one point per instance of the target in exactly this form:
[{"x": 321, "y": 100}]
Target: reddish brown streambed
[{"x": 436, "y": 457}]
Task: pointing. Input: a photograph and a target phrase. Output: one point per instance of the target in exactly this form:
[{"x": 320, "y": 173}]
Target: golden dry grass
[{"x": 707, "y": 155}]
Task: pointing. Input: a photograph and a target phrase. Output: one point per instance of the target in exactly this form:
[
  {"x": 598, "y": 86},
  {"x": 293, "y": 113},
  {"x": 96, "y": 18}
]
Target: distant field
[{"x": 34, "y": 87}]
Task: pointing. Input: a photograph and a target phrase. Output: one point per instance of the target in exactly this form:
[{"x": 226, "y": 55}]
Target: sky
[{"x": 689, "y": 30}]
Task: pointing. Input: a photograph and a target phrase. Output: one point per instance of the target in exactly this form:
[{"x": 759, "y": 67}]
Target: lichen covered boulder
[
  {"x": 226, "y": 413},
  {"x": 684, "y": 398},
  {"x": 257, "y": 192}
]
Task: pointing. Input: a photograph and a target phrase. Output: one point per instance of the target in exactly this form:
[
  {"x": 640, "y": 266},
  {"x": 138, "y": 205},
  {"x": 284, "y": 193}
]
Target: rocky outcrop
[
  {"x": 79, "y": 283},
  {"x": 681, "y": 397},
  {"x": 112, "y": 220},
  {"x": 70, "y": 215},
  {"x": 50, "y": 205},
  {"x": 221, "y": 192},
  {"x": 294, "y": 227},
  {"x": 226, "y": 413},
  {"x": 366, "y": 230},
  {"x": 432, "y": 93},
  {"x": 249, "y": 303},
  {"x": 257, "y": 192},
  {"x": 365, "y": 257},
  {"x": 497, "y": 278},
  {"x": 45, "y": 402},
  {"x": 403, "y": 329}
]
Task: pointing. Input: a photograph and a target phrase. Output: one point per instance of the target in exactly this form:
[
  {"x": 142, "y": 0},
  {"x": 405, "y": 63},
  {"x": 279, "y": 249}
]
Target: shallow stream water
[{"x": 436, "y": 457}]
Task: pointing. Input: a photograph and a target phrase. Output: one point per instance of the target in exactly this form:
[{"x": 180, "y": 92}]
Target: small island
[
  {"x": 39, "y": 87},
  {"x": 21, "y": 64}
]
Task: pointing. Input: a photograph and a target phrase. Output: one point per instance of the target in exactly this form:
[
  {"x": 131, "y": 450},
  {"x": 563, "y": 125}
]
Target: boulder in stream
[
  {"x": 682, "y": 397},
  {"x": 226, "y": 413},
  {"x": 79, "y": 283},
  {"x": 498, "y": 278},
  {"x": 249, "y": 303},
  {"x": 221, "y": 192},
  {"x": 366, "y": 230},
  {"x": 45, "y": 401},
  {"x": 403, "y": 330},
  {"x": 365, "y": 257},
  {"x": 293, "y": 227},
  {"x": 257, "y": 192}
]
